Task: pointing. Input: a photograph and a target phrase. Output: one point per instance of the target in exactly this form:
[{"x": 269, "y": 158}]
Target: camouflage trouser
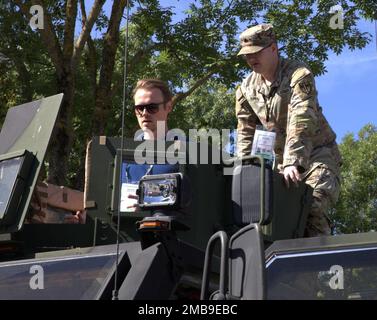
[{"x": 326, "y": 188}]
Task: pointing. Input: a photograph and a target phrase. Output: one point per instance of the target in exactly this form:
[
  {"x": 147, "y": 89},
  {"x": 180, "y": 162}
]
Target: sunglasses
[{"x": 151, "y": 108}]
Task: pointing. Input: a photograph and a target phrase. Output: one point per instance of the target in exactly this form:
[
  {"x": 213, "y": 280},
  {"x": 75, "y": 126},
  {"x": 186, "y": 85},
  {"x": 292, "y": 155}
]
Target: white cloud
[
  {"x": 352, "y": 60},
  {"x": 349, "y": 68}
]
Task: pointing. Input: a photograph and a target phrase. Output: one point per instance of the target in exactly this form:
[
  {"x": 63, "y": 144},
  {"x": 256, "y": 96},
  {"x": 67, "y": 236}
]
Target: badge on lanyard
[
  {"x": 264, "y": 144},
  {"x": 128, "y": 192},
  {"x": 127, "y": 203}
]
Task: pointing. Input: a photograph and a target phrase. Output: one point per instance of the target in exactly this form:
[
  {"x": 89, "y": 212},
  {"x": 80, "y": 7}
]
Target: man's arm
[
  {"x": 246, "y": 124},
  {"x": 302, "y": 123}
]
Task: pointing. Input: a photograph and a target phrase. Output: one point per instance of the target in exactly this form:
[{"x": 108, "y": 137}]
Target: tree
[
  {"x": 356, "y": 210},
  {"x": 58, "y": 36},
  {"x": 202, "y": 46},
  {"x": 22, "y": 61},
  {"x": 212, "y": 106}
]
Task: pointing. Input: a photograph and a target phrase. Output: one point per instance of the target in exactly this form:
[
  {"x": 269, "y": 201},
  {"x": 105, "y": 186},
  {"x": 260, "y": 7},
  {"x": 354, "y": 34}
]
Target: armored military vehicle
[{"x": 167, "y": 249}]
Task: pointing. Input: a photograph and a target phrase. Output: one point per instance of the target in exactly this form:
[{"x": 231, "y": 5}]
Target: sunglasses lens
[{"x": 151, "y": 108}]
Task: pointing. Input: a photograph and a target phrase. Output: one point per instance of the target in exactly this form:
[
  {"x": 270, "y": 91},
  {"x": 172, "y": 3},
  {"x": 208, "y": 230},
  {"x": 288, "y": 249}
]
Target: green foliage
[
  {"x": 356, "y": 210},
  {"x": 25, "y": 69},
  {"x": 197, "y": 51},
  {"x": 304, "y": 31},
  {"x": 212, "y": 106}
]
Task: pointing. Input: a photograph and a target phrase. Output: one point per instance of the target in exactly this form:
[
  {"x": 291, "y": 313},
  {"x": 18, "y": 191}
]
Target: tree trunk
[
  {"x": 24, "y": 80},
  {"x": 65, "y": 59},
  {"x": 61, "y": 140},
  {"x": 104, "y": 92}
]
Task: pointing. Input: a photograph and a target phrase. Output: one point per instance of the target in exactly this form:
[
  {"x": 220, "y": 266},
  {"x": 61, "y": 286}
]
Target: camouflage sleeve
[
  {"x": 302, "y": 120},
  {"x": 247, "y": 120}
]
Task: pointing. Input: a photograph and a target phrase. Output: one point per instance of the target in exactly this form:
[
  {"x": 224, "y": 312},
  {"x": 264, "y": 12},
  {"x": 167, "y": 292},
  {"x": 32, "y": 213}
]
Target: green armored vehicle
[{"x": 167, "y": 249}]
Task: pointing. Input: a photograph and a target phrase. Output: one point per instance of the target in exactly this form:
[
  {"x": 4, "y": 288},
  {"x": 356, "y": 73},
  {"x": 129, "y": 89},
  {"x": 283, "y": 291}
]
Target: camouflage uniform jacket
[{"x": 290, "y": 108}]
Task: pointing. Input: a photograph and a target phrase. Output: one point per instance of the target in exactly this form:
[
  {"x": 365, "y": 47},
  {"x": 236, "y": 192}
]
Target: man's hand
[
  {"x": 78, "y": 218},
  {"x": 291, "y": 173},
  {"x": 135, "y": 206}
]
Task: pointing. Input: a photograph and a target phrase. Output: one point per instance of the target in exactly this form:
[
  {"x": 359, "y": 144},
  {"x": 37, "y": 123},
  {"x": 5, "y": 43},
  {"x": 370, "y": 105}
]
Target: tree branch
[
  {"x": 85, "y": 33},
  {"x": 182, "y": 95},
  {"x": 92, "y": 50},
  {"x": 23, "y": 76},
  {"x": 133, "y": 62},
  {"x": 214, "y": 69},
  {"x": 111, "y": 40},
  {"x": 47, "y": 34},
  {"x": 110, "y": 46},
  {"x": 69, "y": 30}
]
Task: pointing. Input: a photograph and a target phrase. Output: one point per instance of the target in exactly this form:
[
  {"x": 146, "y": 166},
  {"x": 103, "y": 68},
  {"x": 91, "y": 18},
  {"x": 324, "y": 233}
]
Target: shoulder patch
[{"x": 298, "y": 75}]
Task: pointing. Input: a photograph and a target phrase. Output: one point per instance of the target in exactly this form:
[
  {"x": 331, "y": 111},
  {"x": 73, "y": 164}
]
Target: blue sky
[{"x": 348, "y": 91}]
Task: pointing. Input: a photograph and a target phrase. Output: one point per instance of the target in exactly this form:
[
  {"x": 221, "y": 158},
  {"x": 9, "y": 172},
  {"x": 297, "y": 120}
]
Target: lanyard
[
  {"x": 128, "y": 178},
  {"x": 149, "y": 170}
]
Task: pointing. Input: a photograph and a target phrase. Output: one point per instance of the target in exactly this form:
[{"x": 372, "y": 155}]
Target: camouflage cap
[{"x": 256, "y": 38}]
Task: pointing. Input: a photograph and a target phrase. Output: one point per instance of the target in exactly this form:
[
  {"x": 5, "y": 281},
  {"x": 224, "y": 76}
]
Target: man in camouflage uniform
[{"x": 280, "y": 94}]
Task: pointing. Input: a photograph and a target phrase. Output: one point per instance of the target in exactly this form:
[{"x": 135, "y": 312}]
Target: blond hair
[{"x": 154, "y": 84}]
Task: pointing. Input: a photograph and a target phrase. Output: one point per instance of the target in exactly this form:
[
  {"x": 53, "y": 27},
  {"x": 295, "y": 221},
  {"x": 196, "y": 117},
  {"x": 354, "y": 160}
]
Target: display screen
[
  {"x": 131, "y": 175},
  {"x": 9, "y": 170},
  {"x": 160, "y": 191}
]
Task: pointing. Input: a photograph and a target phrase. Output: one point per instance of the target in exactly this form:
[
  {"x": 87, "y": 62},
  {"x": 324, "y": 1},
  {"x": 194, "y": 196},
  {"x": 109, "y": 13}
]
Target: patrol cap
[{"x": 256, "y": 38}]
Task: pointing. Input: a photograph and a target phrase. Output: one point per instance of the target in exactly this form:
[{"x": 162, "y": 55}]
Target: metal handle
[{"x": 223, "y": 263}]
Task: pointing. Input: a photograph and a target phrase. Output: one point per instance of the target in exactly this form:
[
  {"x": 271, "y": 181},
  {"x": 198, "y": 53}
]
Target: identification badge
[
  {"x": 264, "y": 144},
  {"x": 127, "y": 203}
]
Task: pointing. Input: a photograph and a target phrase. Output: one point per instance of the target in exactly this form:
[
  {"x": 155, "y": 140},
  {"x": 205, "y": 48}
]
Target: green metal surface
[{"x": 28, "y": 127}]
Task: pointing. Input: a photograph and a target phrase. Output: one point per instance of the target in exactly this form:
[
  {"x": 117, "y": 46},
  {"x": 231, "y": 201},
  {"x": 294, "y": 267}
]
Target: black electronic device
[{"x": 14, "y": 173}]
